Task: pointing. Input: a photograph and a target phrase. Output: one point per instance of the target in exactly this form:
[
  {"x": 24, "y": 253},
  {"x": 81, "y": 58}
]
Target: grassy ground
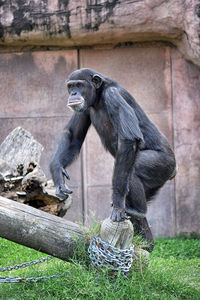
[{"x": 173, "y": 273}]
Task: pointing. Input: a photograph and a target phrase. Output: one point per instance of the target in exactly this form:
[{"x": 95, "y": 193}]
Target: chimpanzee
[{"x": 144, "y": 160}]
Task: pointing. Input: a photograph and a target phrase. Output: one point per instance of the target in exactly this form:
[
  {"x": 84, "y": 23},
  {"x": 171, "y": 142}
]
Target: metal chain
[
  {"x": 14, "y": 279},
  {"x": 103, "y": 254},
  {"x": 9, "y": 279},
  {"x": 26, "y": 264}
]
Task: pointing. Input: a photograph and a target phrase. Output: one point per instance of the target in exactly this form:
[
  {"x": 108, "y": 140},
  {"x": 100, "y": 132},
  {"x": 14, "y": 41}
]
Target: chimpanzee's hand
[
  {"x": 61, "y": 190},
  {"x": 118, "y": 214}
]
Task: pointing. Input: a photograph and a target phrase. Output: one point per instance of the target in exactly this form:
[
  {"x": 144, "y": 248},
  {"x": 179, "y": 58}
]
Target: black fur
[{"x": 144, "y": 160}]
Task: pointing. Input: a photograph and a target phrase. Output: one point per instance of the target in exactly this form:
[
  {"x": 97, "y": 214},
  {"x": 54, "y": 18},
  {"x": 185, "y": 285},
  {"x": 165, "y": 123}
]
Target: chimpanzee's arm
[
  {"x": 68, "y": 148},
  {"x": 124, "y": 120}
]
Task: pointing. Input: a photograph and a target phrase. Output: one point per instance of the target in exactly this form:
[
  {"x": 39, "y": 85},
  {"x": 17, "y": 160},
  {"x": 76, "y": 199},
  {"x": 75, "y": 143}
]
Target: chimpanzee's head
[{"x": 82, "y": 87}]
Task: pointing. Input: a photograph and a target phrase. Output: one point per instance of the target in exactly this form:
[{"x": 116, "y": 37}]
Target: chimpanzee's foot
[
  {"x": 141, "y": 227},
  {"x": 118, "y": 214}
]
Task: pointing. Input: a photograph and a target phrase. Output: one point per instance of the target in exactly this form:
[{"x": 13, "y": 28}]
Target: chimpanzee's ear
[{"x": 97, "y": 80}]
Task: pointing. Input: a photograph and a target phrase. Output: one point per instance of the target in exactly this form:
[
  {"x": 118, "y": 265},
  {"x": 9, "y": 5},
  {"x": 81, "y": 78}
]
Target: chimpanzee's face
[
  {"x": 81, "y": 94},
  {"x": 82, "y": 87}
]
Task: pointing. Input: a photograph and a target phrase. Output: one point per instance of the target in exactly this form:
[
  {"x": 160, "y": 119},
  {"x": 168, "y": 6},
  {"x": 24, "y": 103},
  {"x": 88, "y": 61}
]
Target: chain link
[
  {"x": 14, "y": 279},
  {"x": 26, "y": 264},
  {"x": 103, "y": 254},
  {"x": 9, "y": 279}
]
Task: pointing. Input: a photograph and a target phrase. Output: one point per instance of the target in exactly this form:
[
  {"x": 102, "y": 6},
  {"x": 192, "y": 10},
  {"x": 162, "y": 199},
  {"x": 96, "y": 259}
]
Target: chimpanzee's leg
[
  {"x": 151, "y": 170},
  {"x": 154, "y": 168},
  {"x": 136, "y": 207}
]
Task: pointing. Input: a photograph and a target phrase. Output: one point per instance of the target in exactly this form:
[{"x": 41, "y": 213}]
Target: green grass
[{"x": 173, "y": 273}]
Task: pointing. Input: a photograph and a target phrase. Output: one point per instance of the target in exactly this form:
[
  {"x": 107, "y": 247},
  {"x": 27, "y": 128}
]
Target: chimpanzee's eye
[
  {"x": 79, "y": 84},
  {"x": 69, "y": 86}
]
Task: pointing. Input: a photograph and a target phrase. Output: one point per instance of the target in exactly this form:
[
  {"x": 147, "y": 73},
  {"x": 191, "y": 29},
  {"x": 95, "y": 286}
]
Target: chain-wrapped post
[{"x": 113, "y": 248}]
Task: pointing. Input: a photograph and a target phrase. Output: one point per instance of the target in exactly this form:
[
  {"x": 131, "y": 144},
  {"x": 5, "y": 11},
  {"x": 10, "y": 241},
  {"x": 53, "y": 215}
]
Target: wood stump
[{"x": 117, "y": 234}]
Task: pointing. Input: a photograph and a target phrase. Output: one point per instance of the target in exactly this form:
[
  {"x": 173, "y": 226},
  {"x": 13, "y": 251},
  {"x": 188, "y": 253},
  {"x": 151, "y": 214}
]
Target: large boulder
[{"x": 19, "y": 149}]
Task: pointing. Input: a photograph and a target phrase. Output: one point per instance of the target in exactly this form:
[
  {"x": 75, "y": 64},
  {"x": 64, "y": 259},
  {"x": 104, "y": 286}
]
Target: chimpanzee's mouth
[{"x": 74, "y": 102}]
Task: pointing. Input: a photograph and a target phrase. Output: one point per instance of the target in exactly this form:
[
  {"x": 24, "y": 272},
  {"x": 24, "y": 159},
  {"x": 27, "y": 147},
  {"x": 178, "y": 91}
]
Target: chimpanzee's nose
[{"x": 74, "y": 93}]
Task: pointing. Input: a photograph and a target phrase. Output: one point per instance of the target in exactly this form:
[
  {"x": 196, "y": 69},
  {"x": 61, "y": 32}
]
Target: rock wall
[
  {"x": 186, "y": 112},
  {"x": 69, "y": 23},
  {"x": 33, "y": 95},
  {"x": 131, "y": 41}
]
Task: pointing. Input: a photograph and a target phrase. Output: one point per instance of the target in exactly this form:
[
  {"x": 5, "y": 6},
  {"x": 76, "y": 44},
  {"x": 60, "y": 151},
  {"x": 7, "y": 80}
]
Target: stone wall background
[{"x": 145, "y": 45}]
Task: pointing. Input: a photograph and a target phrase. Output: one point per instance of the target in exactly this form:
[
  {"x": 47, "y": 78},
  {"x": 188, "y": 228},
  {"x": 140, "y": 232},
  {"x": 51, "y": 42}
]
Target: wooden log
[{"x": 39, "y": 230}]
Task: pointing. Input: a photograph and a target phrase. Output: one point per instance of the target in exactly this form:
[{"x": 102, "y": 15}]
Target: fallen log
[{"x": 39, "y": 230}]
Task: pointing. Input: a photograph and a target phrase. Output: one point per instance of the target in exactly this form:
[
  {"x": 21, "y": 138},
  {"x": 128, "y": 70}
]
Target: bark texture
[{"x": 39, "y": 230}]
